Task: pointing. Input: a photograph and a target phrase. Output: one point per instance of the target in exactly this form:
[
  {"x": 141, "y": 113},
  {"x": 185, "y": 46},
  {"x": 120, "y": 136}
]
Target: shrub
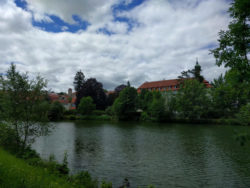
[
  {"x": 84, "y": 178},
  {"x": 8, "y": 137},
  {"x": 86, "y": 106},
  {"x": 243, "y": 117},
  {"x": 106, "y": 184},
  {"x": 144, "y": 116},
  {"x": 56, "y": 111},
  {"x": 98, "y": 112},
  {"x": 70, "y": 112}
]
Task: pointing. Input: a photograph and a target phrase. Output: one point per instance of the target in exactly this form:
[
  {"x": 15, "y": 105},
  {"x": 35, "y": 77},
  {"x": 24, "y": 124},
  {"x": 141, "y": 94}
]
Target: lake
[{"x": 165, "y": 155}]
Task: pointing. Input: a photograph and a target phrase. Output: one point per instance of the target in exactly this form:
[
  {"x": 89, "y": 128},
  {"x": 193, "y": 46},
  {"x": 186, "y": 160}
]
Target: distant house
[
  {"x": 165, "y": 85},
  {"x": 67, "y": 100}
]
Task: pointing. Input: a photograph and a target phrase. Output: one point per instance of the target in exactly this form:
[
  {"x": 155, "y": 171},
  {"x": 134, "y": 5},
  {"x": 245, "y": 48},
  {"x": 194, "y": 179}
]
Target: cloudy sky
[{"x": 111, "y": 40}]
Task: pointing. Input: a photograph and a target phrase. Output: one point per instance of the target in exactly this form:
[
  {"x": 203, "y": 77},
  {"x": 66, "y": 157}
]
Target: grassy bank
[{"x": 17, "y": 173}]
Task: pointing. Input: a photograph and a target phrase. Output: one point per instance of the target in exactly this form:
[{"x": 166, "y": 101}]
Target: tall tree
[
  {"x": 233, "y": 53},
  {"x": 25, "y": 108},
  {"x": 234, "y": 48},
  {"x": 124, "y": 106},
  {"x": 192, "y": 100},
  {"x": 91, "y": 87},
  {"x": 78, "y": 83}
]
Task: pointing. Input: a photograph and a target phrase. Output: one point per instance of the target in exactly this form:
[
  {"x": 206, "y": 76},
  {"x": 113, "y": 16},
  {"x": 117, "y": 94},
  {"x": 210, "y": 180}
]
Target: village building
[
  {"x": 67, "y": 100},
  {"x": 165, "y": 85}
]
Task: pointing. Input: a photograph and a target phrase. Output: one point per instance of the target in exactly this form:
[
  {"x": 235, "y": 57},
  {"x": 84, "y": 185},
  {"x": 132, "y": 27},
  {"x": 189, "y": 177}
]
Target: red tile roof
[
  {"x": 159, "y": 84},
  {"x": 165, "y": 84}
]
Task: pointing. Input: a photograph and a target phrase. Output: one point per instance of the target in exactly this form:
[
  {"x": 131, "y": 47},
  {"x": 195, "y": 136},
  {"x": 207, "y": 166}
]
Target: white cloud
[
  {"x": 167, "y": 40},
  {"x": 94, "y": 11}
]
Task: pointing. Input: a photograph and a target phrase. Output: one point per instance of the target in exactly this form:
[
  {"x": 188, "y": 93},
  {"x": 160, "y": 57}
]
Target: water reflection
[{"x": 163, "y": 155}]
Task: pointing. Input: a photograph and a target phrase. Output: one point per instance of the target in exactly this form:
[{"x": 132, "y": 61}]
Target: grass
[{"x": 16, "y": 173}]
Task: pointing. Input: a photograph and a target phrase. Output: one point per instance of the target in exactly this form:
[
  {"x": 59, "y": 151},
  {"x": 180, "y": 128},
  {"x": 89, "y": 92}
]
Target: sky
[{"x": 114, "y": 41}]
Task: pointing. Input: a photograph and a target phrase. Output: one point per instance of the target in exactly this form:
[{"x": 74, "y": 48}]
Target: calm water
[{"x": 165, "y": 155}]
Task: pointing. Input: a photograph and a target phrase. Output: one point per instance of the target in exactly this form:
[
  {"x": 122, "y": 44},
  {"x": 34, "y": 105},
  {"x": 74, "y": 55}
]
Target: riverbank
[
  {"x": 221, "y": 121},
  {"x": 18, "y": 173},
  {"x": 35, "y": 172}
]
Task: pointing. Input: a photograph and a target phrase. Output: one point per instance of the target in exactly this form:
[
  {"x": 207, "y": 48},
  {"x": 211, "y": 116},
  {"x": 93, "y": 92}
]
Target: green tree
[
  {"x": 145, "y": 98},
  {"x": 124, "y": 106},
  {"x": 24, "y": 109},
  {"x": 234, "y": 43},
  {"x": 229, "y": 94},
  {"x": 243, "y": 116},
  {"x": 156, "y": 109},
  {"x": 192, "y": 100},
  {"x": 78, "y": 83},
  {"x": 86, "y": 106},
  {"x": 56, "y": 111}
]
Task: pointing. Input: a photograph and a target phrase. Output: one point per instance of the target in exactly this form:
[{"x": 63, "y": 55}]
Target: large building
[
  {"x": 67, "y": 100},
  {"x": 165, "y": 85}
]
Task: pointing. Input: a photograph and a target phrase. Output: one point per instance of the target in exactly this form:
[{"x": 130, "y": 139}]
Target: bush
[
  {"x": 144, "y": 116},
  {"x": 109, "y": 111},
  {"x": 106, "y": 184},
  {"x": 99, "y": 112},
  {"x": 56, "y": 111},
  {"x": 84, "y": 178},
  {"x": 86, "y": 106},
  {"x": 70, "y": 117},
  {"x": 8, "y": 138},
  {"x": 243, "y": 117},
  {"x": 70, "y": 112}
]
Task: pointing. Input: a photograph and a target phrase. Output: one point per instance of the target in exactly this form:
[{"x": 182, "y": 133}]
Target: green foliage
[
  {"x": 229, "y": 94},
  {"x": 156, "y": 108},
  {"x": 145, "y": 98},
  {"x": 8, "y": 138},
  {"x": 124, "y": 106},
  {"x": 99, "y": 112},
  {"x": 243, "y": 116},
  {"x": 94, "y": 117},
  {"x": 91, "y": 87},
  {"x": 192, "y": 100},
  {"x": 106, "y": 184},
  {"x": 234, "y": 45},
  {"x": 70, "y": 112},
  {"x": 145, "y": 116},
  {"x": 170, "y": 105},
  {"x": 25, "y": 109},
  {"x": 109, "y": 111},
  {"x": 86, "y": 106},
  {"x": 84, "y": 179},
  {"x": 56, "y": 111},
  {"x": 16, "y": 173},
  {"x": 79, "y": 79}
]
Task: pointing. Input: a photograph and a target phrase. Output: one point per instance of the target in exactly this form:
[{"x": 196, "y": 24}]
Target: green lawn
[{"x": 16, "y": 173}]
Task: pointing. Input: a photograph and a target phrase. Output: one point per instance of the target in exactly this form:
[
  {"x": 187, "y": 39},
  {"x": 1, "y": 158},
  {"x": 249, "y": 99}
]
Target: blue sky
[{"x": 113, "y": 40}]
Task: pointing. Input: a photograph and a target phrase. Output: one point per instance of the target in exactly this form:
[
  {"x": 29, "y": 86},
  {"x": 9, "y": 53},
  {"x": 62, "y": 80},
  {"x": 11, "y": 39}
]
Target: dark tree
[
  {"x": 94, "y": 89},
  {"x": 78, "y": 83}
]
